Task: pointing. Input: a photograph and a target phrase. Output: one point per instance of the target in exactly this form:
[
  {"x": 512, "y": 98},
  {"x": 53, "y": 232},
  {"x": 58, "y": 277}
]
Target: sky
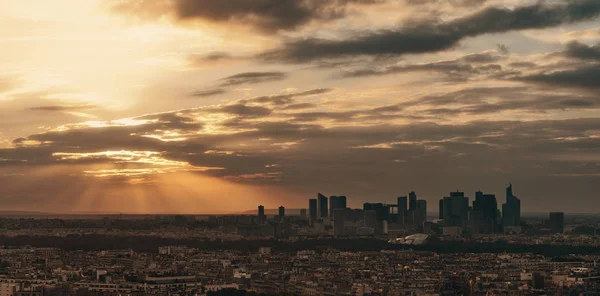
[{"x": 217, "y": 106}]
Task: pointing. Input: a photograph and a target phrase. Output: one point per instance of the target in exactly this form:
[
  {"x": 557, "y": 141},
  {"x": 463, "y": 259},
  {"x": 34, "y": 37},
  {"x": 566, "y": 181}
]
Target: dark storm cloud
[
  {"x": 428, "y": 38},
  {"x": 61, "y": 108},
  {"x": 264, "y": 15},
  {"x": 253, "y": 78},
  {"x": 208, "y": 93},
  {"x": 585, "y": 77},
  {"x": 582, "y": 51}
]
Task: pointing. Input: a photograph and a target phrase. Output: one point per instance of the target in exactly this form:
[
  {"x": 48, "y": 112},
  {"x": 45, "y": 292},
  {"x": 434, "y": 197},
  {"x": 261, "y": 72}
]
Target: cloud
[
  {"x": 582, "y": 51},
  {"x": 586, "y": 77},
  {"x": 267, "y": 16},
  {"x": 253, "y": 78},
  {"x": 209, "y": 92},
  {"x": 428, "y": 38},
  {"x": 61, "y": 108}
]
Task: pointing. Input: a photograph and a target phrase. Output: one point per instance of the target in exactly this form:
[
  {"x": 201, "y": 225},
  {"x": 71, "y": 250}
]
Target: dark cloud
[
  {"x": 582, "y": 51},
  {"x": 300, "y": 106},
  {"x": 586, "y": 77},
  {"x": 209, "y": 92},
  {"x": 264, "y": 15},
  {"x": 245, "y": 111},
  {"x": 60, "y": 108},
  {"x": 253, "y": 78},
  {"x": 286, "y": 99},
  {"x": 428, "y": 38}
]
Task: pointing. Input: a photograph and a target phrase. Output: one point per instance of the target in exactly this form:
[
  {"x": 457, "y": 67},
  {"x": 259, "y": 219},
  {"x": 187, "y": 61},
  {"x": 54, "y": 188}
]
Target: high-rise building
[
  {"x": 338, "y": 222},
  {"x": 383, "y": 211},
  {"x": 475, "y": 224},
  {"x": 336, "y": 202},
  {"x": 487, "y": 205},
  {"x": 281, "y": 212},
  {"x": 420, "y": 213},
  {"x": 412, "y": 201},
  {"x": 441, "y": 207},
  {"x": 370, "y": 218},
  {"x": 261, "y": 214},
  {"x": 557, "y": 222},
  {"x": 312, "y": 211},
  {"x": 402, "y": 209},
  {"x": 511, "y": 210},
  {"x": 322, "y": 206},
  {"x": 455, "y": 209}
]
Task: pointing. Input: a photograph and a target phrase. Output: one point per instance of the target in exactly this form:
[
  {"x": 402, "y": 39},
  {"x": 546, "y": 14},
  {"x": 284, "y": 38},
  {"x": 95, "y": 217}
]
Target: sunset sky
[{"x": 214, "y": 106}]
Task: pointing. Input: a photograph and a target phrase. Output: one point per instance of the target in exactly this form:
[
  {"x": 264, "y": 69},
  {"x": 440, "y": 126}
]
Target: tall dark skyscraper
[
  {"x": 487, "y": 205},
  {"x": 261, "y": 214},
  {"x": 312, "y": 211},
  {"x": 511, "y": 210},
  {"x": 281, "y": 212},
  {"x": 441, "y": 209},
  {"x": 336, "y": 203},
  {"x": 412, "y": 201},
  {"x": 402, "y": 209},
  {"x": 322, "y": 211},
  {"x": 455, "y": 209},
  {"x": 420, "y": 213},
  {"x": 557, "y": 222}
]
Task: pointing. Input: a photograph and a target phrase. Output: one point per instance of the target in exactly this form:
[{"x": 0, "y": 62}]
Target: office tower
[
  {"x": 261, "y": 214},
  {"x": 402, "y": 209},
  {"x": 488, "y": 206},
  {"x": 312, "y": 211},
  {"x": 475, "y": 224},
  {"x": 511, "y": 210},
  {"x": 382, "y": 211},
  {"x": 338, "y": 221},
  {"x": 441, "y": 207},
  {"x": 322, "y": 206},
  {"x": 455, "y": 209},
  {"x": 336, "y": 202},
  {"x": 557, "y": 222},
  {"x": 281, "y": 212},
  {"x": 371, "y": 218},
  {"x": 412, "y": 201},
  {"x": 303, "y": 214},
  {"x": 420, "y": 213}
]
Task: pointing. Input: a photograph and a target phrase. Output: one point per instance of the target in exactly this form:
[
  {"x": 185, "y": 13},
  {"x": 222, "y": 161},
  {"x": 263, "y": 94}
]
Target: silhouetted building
[
  {"x": 261, "y": 214},
  {"x": 336, "y": 202},
  {"x": 557, "y": 222},
  {"x": 420, "y": 213},
  {"x": 511, "y": 210},
  {"x": 487, "y": 205},
  {"x": 441, "y": 209},
  {"x": 312, "y": 211},
  {"x": 370, "y": 218},
  {"x": 475, "y": 224},
  {"x": 322, "y": 211},
  {"x": 412, "y": 201},
  {"x": 383, "y": 211},
  {"x": 402, "y": 209},
  {"x": 455, "y": 209},
  {"x": 281, "y": 212},
  {"x": 339, "y": 220}
]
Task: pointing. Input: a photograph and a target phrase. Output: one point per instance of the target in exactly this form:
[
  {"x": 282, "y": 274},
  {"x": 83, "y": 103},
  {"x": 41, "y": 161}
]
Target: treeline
[{"x": 150, "y": 244}]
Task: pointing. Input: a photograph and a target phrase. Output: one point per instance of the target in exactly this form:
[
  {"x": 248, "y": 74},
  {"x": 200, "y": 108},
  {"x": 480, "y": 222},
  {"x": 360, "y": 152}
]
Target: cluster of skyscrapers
[
  {"x": 456, "y": 215},
  {"x": 483, "y": 217}
]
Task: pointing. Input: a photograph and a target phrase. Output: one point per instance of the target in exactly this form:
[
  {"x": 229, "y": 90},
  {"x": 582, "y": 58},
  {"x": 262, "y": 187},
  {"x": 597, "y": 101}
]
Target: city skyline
[{"x": 184, "y": 106}]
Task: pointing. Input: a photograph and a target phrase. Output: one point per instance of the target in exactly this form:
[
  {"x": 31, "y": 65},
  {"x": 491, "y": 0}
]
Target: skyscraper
[
  {"x": 420, "y": 213},
  {"x": 412, "y": 201},
  {"x": 261, "y": 214},
  {"x": 322, "y": 206},
  {"x": 303, "y": 214},
  {"x": 557, "y": 222},
  {"x": 312, "y": 211},
  {"x": 336, "y": 202},
  {"x": 511, "y": 210},
  {"x": 402, "y": 209},
  {"x": 487, "y": 205},
  {"x": 281, "y": 212},
  {"x": 338, "y": 222},
  {"x": 455, "y": 209}
]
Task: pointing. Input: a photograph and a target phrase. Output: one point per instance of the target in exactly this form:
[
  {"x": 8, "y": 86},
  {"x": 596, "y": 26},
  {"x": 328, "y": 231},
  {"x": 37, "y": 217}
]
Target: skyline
[{"x": 183, "y": 106}]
